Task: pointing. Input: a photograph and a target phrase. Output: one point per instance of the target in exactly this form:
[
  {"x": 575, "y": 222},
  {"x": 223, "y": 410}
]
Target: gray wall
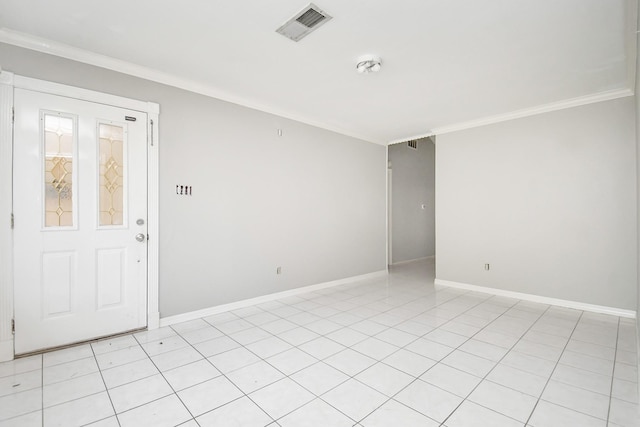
[
  {"x": 311, "y": 201},
  {"x": 413, "y": 184},
  {"x": 549, "y": 201}
]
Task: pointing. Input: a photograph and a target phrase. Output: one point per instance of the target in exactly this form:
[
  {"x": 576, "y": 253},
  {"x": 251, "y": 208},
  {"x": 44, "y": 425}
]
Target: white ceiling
[{"x": 445, "y": 62}]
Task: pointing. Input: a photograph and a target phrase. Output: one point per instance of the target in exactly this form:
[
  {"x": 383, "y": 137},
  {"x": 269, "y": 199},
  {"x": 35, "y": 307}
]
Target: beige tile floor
[{"x": 395, "y": 351}]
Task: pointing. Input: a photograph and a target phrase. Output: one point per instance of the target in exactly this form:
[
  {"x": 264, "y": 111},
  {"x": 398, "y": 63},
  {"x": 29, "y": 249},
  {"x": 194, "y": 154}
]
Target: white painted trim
[
  {"x": 153, "y": 218},
  {"x": 540, "y": 299},
  {"x": 51, "y": 47},
  {"x": 6, "y": 207},
  {"x": 8, "y": 82},
  {"x": 84, "y": 94},
  {"x": 184, "y": 317},
  {"x": 409, "y": 261},
  {"x": 561, "y": 105}
]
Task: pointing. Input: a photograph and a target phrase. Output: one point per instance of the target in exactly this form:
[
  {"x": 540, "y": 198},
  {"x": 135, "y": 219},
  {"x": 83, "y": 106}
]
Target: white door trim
[{"x": 8, "y": 82}]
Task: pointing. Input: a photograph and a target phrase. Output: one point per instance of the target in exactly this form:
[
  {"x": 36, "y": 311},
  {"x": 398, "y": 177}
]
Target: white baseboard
[
  {"x": 192, "y": 315},
  {"x": 6, "y": 350},
  {"x": 413, "y": 260},
  {"x": 540, "y": 299}
]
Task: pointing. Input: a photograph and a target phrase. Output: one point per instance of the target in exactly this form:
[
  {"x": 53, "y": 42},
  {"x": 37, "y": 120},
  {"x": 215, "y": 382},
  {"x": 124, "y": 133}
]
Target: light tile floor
[{"x": 395, "y": 351}]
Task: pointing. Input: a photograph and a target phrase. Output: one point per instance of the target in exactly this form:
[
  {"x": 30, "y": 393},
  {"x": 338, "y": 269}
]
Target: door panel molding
[
  {"x": 8, "y": 82},
  {"x": 6, "y": 234}
]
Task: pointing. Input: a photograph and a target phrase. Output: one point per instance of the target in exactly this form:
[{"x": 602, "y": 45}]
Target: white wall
[
  {"x": 549, "y": 201},
  {"x": 413, "y": 184},
  {"x": 311, "y": 201}
]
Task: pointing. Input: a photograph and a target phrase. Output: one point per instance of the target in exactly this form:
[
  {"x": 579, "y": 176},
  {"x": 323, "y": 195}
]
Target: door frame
[{"x": 10, "y": 81}]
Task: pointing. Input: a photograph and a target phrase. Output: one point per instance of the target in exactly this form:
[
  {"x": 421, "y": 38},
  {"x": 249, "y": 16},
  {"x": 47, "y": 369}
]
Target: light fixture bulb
[{"x": 368, "y": 64}]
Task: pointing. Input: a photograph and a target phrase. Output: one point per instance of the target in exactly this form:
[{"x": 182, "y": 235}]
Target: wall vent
[
  {"x": 303, "y": 23},
  {"x": 413, "y": 144}
]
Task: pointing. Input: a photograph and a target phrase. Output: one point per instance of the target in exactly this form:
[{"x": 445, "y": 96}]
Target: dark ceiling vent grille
[
  {"x": 311, "y": 18},
  {"x": 413, "y": 144},
  {"x": 304, "y": 22}
]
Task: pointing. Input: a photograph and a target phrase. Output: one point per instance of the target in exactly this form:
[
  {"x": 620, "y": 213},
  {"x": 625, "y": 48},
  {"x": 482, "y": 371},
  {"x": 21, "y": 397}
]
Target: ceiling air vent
[
  {"x": 304, "y": 22},
  {"x": 413, "y": 144}
]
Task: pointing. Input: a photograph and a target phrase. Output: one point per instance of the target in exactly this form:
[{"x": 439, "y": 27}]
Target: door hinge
[
  {"x": 13, "y": 222},
  {"x": 13, "y": 326},
  {"x": 151, "y": 121},
  {"x": 13, "y": 115}
]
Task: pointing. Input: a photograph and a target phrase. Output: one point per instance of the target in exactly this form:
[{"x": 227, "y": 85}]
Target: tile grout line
[
  {"x": 497, "y": 363},
  {"x": 613, "y": 372},
  {"x": 106, "y": 389},
  {"x": 564, "y": 348}
]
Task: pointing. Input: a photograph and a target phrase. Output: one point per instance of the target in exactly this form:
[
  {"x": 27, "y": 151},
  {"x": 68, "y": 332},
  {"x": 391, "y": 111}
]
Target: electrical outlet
[
  {"x": 486, "y": 267},
  {"x": 279, "y": 270}
]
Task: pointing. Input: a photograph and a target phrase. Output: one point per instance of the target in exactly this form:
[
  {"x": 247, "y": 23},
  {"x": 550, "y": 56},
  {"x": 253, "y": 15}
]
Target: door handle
[{"x": 140, "y": 237}]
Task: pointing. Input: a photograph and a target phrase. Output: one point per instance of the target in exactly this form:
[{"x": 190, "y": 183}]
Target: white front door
[{"x": 80, "y": 208}]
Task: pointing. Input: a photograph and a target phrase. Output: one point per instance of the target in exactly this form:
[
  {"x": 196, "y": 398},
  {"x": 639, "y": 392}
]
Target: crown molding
[
  {"x": 541, "y": 109},
  {"x": 555, "y": 106},
  {"x": 62, "y": 50}
]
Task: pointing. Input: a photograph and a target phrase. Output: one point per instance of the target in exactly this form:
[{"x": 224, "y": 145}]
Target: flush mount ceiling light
[{"x": 369, "y": 64}]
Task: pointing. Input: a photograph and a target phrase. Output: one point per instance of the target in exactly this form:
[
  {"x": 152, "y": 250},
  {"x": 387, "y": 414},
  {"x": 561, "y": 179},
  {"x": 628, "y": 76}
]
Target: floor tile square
[
  {"x": 281, "y": 397},
  {"x": 20, "y": 382},
  {"x": 578, "y": 399},
  {"x": 291, "y": 361},
  {"x": 255, "y": 376},
  {"x": 22, "y": 365},
  {"x": 209, "y": 395},
  {"x": 429, "y": 400},
  {"x": 154, "y": 348},
  {"x": 32, "y": 419},
  {"x": 268, "y": 347},
  {"x": 79, "y": 412},
  {"x": 394, "y": 413},
  {"x": 504, "y": 400},
  {"x": 470, "y": 414},
  {"x": 347, "y": 336},
  {"x": 175, "y": 358},
  {"x": 375, "y": 348},
  {"x": 319, "y": 378},
  {"x": 139, "y": 392},
  {"x": 450, "y": 379},
  {"x": 321, "y": 347},
  {"x": 469, "y": 363},
  {"x": 298, "y": 336},
  {"x": 429, "y": 349},
  {"x": 531, "y": 364},
  {"x": 120, "y": 357},
  {"x": 112, "y": 344},
  {"x": 624, "y": 413},
  {"x": 189, "y": 375},
  {"x": 201, "y": 335},
  {"x": 216, "y": 346},
  {"x": 22, "y": 403},
  {"x": 250, "y": 335},
  {"x": 484, "y": 350},
  {"x": 550, "y": 415},
  {"x": 584, "y": 379},
  {"x": 233, "y": 359},
  {"x": 350, "y": 362},
  {"x": 518, "y": 380},
  {"x": 409, "y": 362},
  {"x": 354, "y": 399},
  {"x": 385, "y": 379},
  {"x": 165, "y": 412},
  {"x": 238, "y": 413},
  {"x": 66, "y": 355},
  {"x": 316, "y": 413},
  {"x": 123, "y": 374},
  {"x": 75, "y": 388}
]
